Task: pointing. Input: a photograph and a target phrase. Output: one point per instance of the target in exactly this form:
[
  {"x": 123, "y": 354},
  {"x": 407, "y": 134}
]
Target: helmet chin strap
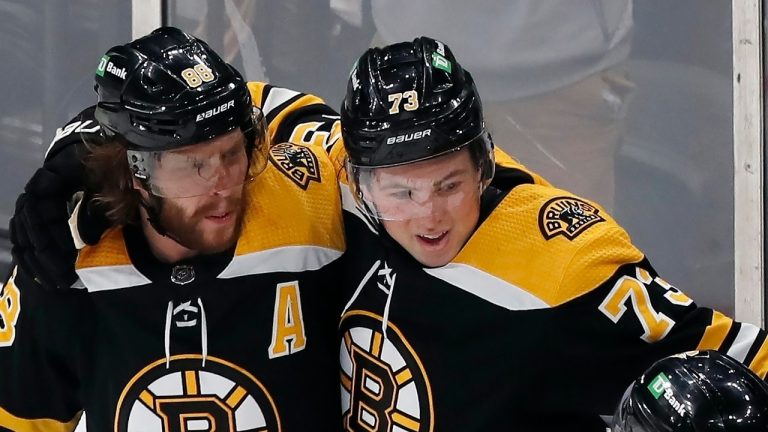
[{"x": 154, "y": 207}]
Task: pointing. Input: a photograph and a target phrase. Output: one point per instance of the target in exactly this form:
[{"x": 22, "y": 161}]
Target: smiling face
[{"x": 430, "y": 207}]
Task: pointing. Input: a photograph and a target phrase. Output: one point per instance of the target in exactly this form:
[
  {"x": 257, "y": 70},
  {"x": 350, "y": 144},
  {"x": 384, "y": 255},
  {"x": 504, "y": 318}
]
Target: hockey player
[
  {"x": 482, "y": 300},
  {"x": 477, "y": 296},
  {"x": 207, "y": 306},
  {"x": 694, "y": 392}
]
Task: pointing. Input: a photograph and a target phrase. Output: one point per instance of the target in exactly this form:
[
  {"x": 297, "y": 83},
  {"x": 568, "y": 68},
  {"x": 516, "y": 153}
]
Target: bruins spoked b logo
[
  {"x": 567, "y": 216},
  {"x": 186, "y": 397},
  {"x": 384, "y": 385},
  {"x": 297, "y": 162}
]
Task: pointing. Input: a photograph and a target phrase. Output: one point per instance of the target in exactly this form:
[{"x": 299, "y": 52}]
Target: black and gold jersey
[
  {"x": 540, "y": 323},
  {"x": 243, "y": 340}
]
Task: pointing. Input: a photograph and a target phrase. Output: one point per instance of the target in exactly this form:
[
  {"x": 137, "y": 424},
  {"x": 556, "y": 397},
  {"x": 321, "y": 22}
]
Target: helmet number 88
[
  {"x": 197, "y": 75},
  {"x": 411, "y": 97}
]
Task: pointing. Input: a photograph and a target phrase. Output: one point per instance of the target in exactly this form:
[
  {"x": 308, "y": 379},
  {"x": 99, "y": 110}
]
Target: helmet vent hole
[
  {"x": 163, "y": 127},
  {"x": 151, "y": 84},
  {"x": 441, "y": 81}
]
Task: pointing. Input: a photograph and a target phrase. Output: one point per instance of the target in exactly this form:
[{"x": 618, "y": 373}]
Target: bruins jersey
[
  {"x": 541, "y": 321},
  {"x": 243, "y": 340}
]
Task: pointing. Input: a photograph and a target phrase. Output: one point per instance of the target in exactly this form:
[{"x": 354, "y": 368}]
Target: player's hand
[{"x": 39, "y": 231}]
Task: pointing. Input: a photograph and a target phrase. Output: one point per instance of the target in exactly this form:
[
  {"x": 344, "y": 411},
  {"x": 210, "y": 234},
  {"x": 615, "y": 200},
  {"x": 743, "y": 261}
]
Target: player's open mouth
[
  {"x": 221, "y": 218},
  {"x": 432, "y": 239}
]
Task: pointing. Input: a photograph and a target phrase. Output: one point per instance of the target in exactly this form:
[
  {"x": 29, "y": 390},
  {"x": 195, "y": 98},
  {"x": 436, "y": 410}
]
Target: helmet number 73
[
  {"x": 656, "y": 325},
  {"x": 411, "y": 97}
]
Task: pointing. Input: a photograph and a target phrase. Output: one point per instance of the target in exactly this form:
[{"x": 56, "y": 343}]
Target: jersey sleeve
[
  {"x": 82, "y": 128},
  {"x": 650, "y": 318},
  {"x": 38, "y": 384},
  {"x": 296, "y": 117}
]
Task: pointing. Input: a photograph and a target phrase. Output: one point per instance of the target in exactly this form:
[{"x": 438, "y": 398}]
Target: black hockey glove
[{"x": 39, "y": 230}]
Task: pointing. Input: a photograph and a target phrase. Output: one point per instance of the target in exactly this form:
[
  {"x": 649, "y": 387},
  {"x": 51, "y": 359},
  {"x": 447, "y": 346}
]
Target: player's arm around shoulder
[
  {"x": 38, "y": 384},
  {"x": 297, "y": 117}
]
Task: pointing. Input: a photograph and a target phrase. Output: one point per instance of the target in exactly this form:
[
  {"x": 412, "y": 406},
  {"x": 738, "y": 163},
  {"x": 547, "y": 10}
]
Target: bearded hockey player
[
  {"x": 694, "y": 392},
  {"x": 477, "y": 296},
  {"x": 484, "y": 300},
  {"x": 206, "y": 306}
]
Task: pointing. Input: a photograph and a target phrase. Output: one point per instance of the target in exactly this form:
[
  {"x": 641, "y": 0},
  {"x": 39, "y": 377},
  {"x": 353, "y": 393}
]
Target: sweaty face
[
  {"x": 430, "y": 207},
  {"x": 209, "y": 221}
]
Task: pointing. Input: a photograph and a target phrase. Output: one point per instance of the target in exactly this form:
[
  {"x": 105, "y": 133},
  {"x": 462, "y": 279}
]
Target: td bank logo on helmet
[
  {"x": 214, "y": 111},
  {"x": 409, "y": 136},
  {"x": 660, "y": 386},
  {"x": 107, "y": 66}
]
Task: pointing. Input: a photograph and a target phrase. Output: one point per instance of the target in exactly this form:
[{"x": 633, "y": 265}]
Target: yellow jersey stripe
[
  {"x": 715, "y": 333},
  {"x": 18, "y": 424},
  {"x": 257, "y": 92},
  {"x": 759, "y": 364}
]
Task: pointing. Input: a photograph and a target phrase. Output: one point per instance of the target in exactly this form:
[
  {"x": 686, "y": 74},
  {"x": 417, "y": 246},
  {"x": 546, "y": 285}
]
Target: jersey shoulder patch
[
  {"x": 565, "y": 260},
  {"x": 567, "y": 216},
  {"x": 297, "y": 162}
]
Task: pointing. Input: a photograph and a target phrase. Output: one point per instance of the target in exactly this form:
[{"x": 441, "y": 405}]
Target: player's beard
[{"x": 189, "y": 229}]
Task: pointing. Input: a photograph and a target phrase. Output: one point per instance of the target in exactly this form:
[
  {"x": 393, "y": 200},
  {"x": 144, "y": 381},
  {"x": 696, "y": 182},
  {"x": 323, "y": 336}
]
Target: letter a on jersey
[{"x": 288, "y": 322}]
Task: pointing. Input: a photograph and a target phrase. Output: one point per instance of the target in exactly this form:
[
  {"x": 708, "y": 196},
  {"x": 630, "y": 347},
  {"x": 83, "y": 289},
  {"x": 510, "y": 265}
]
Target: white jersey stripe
[
  {"x": 743, "y": 342},
  {"x": 283, "y": 259},
  {"x": 104, "y": 278},
  {"x": 487, "y": 287},
  {"x": 276, "y": 97}
]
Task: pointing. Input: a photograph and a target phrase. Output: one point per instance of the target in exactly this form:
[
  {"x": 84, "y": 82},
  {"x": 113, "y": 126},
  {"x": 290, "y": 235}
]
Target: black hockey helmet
[
  {"x": 168, "y": 90},
  {"x": 409, "y": 102},
  {"x": 694, "y": 392}
]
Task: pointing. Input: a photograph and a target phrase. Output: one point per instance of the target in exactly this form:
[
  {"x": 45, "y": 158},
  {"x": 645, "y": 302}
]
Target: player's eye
[{"x": 401, "y": 194}]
